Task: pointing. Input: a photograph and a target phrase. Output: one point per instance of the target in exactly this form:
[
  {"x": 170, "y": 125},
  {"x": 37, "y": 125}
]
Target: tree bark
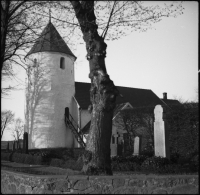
[
  {"x": 102, "y": 93},
  {"x": 4, "y": 26}
]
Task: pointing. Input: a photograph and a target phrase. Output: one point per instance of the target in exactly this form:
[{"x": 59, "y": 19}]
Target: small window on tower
[
  {"x": 35, "y": 62},
  {"x": 62, "y": 63}
]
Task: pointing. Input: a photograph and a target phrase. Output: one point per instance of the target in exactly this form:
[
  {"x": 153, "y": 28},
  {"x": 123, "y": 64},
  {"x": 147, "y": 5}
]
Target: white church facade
[{"x": 52, "y": 94}]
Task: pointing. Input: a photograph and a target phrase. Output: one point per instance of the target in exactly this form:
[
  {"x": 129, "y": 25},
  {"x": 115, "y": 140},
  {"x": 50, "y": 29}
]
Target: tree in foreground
[{"x": 103, "y": 93}]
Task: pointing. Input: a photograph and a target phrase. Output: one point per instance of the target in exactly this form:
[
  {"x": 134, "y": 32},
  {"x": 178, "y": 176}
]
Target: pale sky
[{"x": 163, "y": 60}]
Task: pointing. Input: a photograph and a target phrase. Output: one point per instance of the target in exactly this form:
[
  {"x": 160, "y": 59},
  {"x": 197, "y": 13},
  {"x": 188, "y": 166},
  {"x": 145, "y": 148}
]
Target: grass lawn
[
  {"x": 36, "y": 169},
  {"x": 49, "y": 170}
]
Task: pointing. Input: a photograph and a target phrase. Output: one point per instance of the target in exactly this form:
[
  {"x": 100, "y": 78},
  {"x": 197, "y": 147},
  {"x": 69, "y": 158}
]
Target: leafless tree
[
  {"x": 7, "y": 118},
  {"x": 18, "y": 130},
  {"x": 19, "y": 29},
  {"x": 136, "y": 122}
]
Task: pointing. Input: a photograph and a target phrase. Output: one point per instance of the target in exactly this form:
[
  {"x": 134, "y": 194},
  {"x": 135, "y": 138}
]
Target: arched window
[{"x": 62, "y": 63}]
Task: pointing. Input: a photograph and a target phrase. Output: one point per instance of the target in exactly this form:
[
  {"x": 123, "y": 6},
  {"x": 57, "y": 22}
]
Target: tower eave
[{"x": 30, "y": 53}]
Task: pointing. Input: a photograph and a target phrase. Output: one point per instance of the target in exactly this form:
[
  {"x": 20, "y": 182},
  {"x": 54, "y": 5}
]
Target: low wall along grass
[{"x": 132, "y": 174}]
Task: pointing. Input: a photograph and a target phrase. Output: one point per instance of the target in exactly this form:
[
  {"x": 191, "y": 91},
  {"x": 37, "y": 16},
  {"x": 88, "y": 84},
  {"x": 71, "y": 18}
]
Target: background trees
[
  {"x": 7, "y": 118},
  {"x": 137, "y": 122},
  {"x": 17, "y": 131},
  {"x": 184, "y": 129}
]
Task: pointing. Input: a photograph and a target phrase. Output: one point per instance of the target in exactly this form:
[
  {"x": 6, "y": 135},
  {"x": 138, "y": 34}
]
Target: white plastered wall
[{"x": 49, "y": 129}]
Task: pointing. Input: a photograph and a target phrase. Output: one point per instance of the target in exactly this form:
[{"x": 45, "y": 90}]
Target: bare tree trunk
[
  {"x": 102, "y": 93},
  {"x": 4, "y": 22}
]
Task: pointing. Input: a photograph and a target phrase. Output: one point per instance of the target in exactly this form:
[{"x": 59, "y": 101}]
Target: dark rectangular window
[{"x": 62, "y": 63}]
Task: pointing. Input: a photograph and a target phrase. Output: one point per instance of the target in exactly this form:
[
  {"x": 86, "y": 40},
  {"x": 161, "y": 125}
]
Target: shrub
[
  {"x": 135, "y": 167},
  {"x": 174, "y": 156},
  {"x": 24, "y": 158},
  {"x": 195, "y": 160},
  {"x": 171, "y": 168},
  {"x": 183, "y": 122},
  {"x": 48, "y": 153},
  {"x": 124, "y": 166},
  {"x": 29, "y": 159},
  {"x": 38, "y": 160},
  {"x": 118, "y": 159},
  {"x": 129, "y": 163},
  {"x": 16, "y": 157},
  {"x": 20, "y": 158},
  {"x": 155, "y": 164},
  {"x": 56, "y": 162},
  {"x": 5, "y": 156},
  {"x": 194, "y": 165},
  {"x": 139, "y": 159},
  {"x": 148, "y": 150}
]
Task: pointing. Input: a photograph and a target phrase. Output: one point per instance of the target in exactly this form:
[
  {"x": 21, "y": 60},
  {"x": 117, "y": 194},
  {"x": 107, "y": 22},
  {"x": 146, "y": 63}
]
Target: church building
[{"x": 56, "y": 106}]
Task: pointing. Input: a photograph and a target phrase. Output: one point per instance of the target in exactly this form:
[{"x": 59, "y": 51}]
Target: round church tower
[{"x": 50, "y": 89}]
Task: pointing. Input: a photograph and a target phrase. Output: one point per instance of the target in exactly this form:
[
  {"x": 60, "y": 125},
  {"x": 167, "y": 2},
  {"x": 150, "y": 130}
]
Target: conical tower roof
[{"x": 50, "y": 40}]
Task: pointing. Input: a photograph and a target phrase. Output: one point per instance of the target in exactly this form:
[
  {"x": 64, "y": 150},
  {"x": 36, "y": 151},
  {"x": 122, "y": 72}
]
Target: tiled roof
[
  {"x": 136, "y": 97},
  {"x": 171, "y": 102},
  {"x": 50, "y": 40}
]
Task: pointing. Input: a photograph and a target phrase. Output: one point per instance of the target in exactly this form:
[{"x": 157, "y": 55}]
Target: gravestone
[
  {"x": 114, "y": 145},
  {"x": 120, "y": 148},
  {"x": 161, "y": 140},
  {"x": 136, "y": 145},
  {"x": 13, "y": 146},
  {"x": 7, "y": 146},
  {"x": 25, "y": 143}
]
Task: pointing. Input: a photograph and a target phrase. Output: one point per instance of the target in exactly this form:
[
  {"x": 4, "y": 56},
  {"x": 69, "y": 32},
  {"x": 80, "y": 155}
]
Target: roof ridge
[{"x": 118, "y": 86}]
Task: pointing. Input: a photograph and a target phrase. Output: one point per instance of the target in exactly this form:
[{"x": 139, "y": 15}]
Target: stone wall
[{"x": 15, "y": 183}]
